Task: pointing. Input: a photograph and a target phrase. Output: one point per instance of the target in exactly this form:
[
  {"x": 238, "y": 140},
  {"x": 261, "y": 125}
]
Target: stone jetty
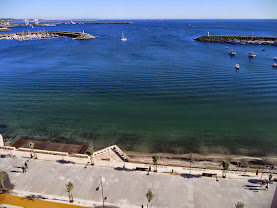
[
  {"x": 238, "y": 39},
  {"x": 46, "y": 35},
  {"x": 3, "y": 29}
]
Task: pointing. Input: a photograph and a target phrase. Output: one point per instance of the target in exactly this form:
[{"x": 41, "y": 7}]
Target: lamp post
[
  {"x": 61, "y": 150},
  {"x": 101, "y": 184},
  {"x": 190, "y": 164}
]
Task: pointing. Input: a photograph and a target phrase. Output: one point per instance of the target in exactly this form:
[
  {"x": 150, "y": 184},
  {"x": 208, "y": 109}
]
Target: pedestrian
[
  {"x": 23, "y": 169},
  {"x": 149, "y": 168},
  {"x": 270, "y": 177},
  {"x": 257, "y": 172},
  {"x": 26, "y": 165},
  {"x": 266, "y": 187}
]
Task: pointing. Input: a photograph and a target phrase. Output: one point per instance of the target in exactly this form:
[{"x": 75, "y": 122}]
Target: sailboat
[{"x": 123, "y": 38}]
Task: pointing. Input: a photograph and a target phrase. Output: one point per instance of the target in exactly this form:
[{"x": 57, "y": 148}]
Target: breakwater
[
  {"x": 46, "y": 34},
  {"x": 238, "y": 39},
  {"x": 57, "y": 23},
  {"x": 3, "y": 29}
]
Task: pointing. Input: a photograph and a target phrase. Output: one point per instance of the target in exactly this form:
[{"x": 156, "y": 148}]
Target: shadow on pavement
[
  {"x": 8, "y": 186},
  {"x": 255, "y": 181},
  {"x": 123, "y": 169},
  {"x": 65, "y": 162},
  {"x": 190, "y": 176},
  {"x": 15, "y": 171},
  {"x": 33, "y": 196}
]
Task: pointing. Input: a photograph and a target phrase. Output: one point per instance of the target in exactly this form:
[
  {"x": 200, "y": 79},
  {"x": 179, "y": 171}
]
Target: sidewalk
[{"x": 32, "y": 203}]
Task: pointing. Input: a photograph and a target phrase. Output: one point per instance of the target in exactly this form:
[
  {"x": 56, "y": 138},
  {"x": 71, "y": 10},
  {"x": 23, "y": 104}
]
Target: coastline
[{"x": 196, "y": 160}]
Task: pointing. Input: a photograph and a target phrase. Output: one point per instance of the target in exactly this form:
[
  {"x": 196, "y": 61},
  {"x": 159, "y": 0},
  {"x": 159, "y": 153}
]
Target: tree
[
  {"x": 90, "y": 154},
  {"x": 239, "y": 205},
  {"x": 2, "y": 179},
  {"x": 69, "y": 187},
  {"x": 156, "y": 160},
  {"x": 149, "y": 196},
  {"x": 225, "y": 165}
]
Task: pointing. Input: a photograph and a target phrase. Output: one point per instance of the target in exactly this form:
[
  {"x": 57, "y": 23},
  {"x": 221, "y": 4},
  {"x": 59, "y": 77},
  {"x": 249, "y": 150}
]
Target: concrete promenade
[{"x": 127, "y": 188}]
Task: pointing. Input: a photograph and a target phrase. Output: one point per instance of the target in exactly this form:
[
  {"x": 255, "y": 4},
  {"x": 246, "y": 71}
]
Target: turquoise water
[{"x": 160, "y": 91}]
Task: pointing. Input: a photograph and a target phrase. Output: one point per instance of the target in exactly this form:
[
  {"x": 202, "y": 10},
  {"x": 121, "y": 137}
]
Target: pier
[
  {"x": 46, "y": 35},
  {"x": 257, "y": 40}
]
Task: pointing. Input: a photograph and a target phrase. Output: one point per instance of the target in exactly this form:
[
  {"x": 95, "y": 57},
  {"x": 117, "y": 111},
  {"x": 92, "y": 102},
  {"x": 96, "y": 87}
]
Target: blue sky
[{"x": 139, "y": 9}]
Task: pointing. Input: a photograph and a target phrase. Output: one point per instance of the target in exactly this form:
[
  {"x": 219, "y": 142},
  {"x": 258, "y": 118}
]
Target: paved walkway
[
  {"x": 32, "y": 203},
  {"x": 128, "y": 188}
]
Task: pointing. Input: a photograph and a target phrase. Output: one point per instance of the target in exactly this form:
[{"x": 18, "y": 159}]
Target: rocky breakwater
[
  {"x": 238, "y": 39},
  {"x": 46, "y": 35},
  {"x": 3, "y": 29},
  {"x": 84, "y": 36}
]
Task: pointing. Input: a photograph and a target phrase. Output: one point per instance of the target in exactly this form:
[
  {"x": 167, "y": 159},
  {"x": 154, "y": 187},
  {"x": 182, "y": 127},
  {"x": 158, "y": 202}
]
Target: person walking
[
  {"x": 257, "y": 172},
  {"x": 26, "y": 165},
  {"x": 23, "y": 169},
  {"x": 266, "y": 187}
]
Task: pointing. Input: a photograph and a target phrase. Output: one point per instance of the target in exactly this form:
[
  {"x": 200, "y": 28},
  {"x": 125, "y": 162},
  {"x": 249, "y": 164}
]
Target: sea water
[{"x": 160, "y": 91}]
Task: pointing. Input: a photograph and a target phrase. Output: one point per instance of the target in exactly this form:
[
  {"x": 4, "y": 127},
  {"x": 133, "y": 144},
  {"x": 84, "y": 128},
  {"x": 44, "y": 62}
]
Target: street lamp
[
  {"x": 61, "y": 150},
  {"x": 101, "y": 184},
  {"x": 190, "y": 164}
]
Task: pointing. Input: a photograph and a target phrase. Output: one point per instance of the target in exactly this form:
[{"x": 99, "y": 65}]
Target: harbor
[
  {"x": 46, "y": 35},
  {"x": 256, "y": 40}
]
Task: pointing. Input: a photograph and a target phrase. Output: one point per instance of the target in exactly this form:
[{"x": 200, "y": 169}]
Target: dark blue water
[{"x": 160, "y": 91}]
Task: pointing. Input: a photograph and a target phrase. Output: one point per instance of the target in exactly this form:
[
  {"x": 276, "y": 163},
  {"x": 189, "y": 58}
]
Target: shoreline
[{"x": 209, "y": 161}]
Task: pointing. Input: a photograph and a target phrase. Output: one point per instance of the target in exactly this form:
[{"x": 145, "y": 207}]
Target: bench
[
  {"x": 142, "y": 169},
  {"x": 209, "y": 174}
]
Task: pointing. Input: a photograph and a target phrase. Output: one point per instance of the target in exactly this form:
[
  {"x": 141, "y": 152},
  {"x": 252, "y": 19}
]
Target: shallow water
[{"x": 160, "y": 91}]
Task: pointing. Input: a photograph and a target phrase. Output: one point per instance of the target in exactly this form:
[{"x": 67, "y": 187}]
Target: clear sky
[{"x": 139, "y": 9}]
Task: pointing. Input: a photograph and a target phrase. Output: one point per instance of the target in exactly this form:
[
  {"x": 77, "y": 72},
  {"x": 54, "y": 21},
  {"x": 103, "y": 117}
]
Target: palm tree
[
  {"x": 2, "y": 179},
  {"x": 156, "y": 160},
  {"x": 149, "y": 196},
  {"x": 239, "y": 205},
  {"x": 69, "y": 187},
  {"x": 225, "y": 165},
  {"x": 31, "y": 146},
  {"x": 90, "y": 154}
]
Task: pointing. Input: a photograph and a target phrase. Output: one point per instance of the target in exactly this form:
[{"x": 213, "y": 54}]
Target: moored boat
[
  {"x": 237, "y": 66},
  {"x": 123, "y": 38},
  {"x": 251, "y": 54},
  {"x": 274, "y": 65},
  {"x": 232, "y": 52}
]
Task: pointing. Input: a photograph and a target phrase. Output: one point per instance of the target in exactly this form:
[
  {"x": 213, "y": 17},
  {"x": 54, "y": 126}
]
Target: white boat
[
  {"x": 275, "y": 58},
  {"x": 232, "y": 52},
  {"x": 123, "y": 38},
  {"x": 274, "y": 65},
  {"x": 36, "y": 22},
  {"x": 251, "y": 54},
  {"x": 237, "y": 66},
  {"x": 263, "y": 49}
]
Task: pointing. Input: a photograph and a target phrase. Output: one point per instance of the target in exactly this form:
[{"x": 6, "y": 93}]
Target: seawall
[
  {"x": 238, "y": 39},
  {"x": 46, "y": 34}
]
